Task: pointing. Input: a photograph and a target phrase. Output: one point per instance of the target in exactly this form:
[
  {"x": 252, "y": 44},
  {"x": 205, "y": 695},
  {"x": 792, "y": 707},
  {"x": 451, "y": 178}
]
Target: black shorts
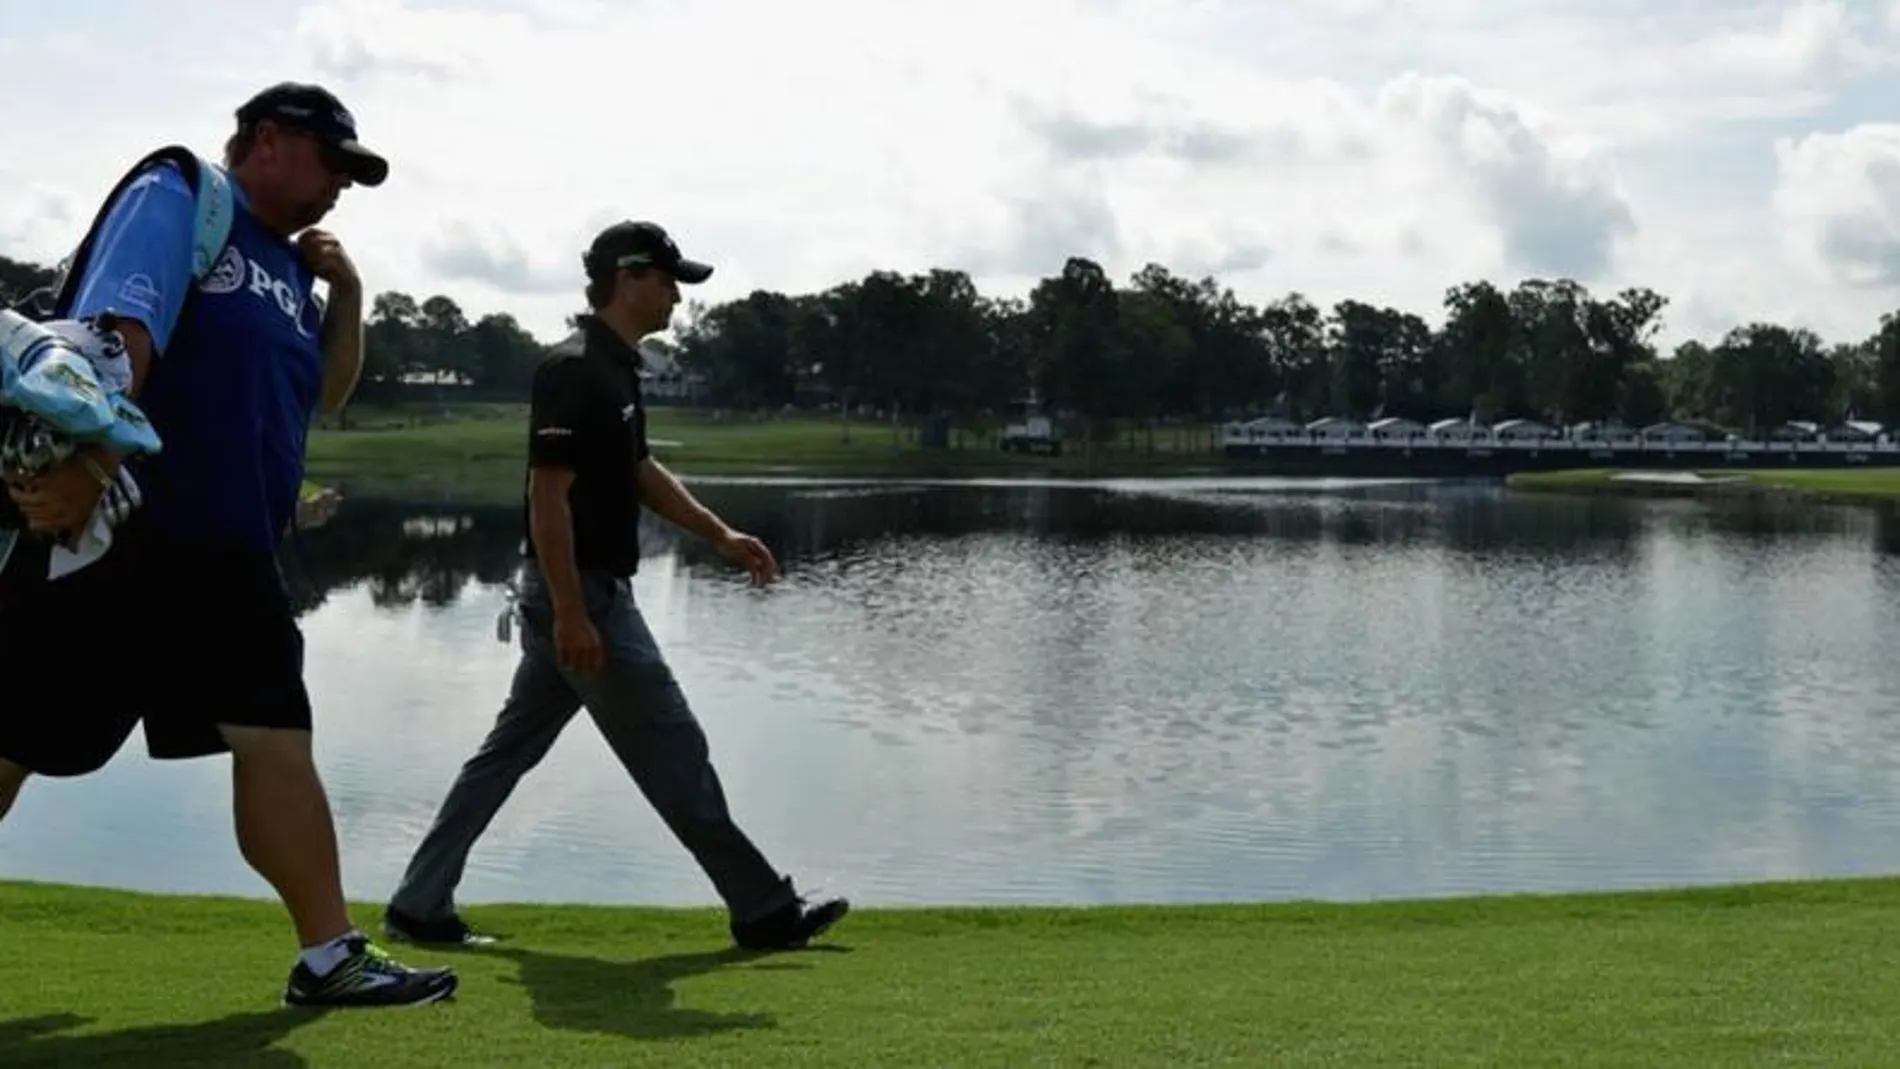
[{"x": 182, "y": 639}]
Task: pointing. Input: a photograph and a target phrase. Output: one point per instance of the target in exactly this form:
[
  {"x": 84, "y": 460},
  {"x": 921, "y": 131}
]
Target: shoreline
[
  {"x": 483, "y": 458},
  {"x": 490, "y": 485},
  {"x": 479, "y": 455},
  {"x": 1498, "y": 903},
  {"x": 1851, "y": 486}
]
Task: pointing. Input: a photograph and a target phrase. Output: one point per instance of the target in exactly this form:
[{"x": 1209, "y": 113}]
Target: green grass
[
  {"x": 1817, "y": 484},
  {"x": 477, "y": 451},
  {"x": 1779, "y": 974}
]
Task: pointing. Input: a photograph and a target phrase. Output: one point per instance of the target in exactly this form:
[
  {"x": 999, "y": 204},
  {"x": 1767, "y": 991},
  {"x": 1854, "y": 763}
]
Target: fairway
[
  {"x": 477, "y": 452},
  {"x": 1772, "y": 974},
  {"x": 1822, "y": 485}
]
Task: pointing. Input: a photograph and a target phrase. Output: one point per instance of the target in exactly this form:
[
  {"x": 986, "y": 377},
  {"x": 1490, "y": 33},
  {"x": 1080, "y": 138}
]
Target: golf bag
[{"x": 64, "y": 383}]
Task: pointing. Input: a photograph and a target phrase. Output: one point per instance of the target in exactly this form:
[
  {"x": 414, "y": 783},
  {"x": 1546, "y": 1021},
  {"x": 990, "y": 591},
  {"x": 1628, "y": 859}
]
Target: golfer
[{"x": 583, "y": 640}]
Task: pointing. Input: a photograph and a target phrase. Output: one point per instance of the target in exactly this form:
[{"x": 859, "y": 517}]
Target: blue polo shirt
[{"x": 236, "y": 372}]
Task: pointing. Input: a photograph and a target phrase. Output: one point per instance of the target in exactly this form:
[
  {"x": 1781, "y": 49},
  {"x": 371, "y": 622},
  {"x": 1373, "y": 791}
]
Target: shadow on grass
[
  {"x": 634, "y": 999},
  {"x": 241, "y": 1041}
]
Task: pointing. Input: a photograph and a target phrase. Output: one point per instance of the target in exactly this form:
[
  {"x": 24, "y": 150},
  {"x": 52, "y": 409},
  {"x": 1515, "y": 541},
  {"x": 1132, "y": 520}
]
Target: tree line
[{"x": 1163, "y": 348}]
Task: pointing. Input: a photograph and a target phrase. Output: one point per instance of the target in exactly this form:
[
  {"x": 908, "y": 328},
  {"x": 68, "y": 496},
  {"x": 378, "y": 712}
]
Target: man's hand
[
  {"x": 750, "y": 553},
  {"x": 324, "y": 253},
  {"x": 59, "y": 501},
  {"x": 341, "y": 333},
  {"x": 577, "y": 643}
]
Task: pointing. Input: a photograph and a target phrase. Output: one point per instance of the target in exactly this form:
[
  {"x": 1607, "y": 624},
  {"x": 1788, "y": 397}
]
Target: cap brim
[
  {"x": 692, "y": 272},
  {"x": 366, "y": 167}
]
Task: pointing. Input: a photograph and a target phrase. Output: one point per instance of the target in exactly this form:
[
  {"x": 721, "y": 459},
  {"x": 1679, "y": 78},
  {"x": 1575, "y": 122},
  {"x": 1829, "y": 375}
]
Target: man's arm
[
  {"x": 342, "y": 338},
  {"x": 661, "y": 491},
  {"x": 340, "y": 335},
  {"x": 556, "y": 416},
  {"x": 140, "y": 273},
  {"x": 552, "y": 522}
]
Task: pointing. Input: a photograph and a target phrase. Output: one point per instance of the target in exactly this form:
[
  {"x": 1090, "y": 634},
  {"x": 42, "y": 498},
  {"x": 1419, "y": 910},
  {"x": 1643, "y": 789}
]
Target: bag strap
[{"x": 215, "y": 204}]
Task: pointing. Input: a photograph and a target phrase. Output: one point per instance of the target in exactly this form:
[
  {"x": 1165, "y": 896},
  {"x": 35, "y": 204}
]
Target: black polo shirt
[{"x": 587, "y": 414}]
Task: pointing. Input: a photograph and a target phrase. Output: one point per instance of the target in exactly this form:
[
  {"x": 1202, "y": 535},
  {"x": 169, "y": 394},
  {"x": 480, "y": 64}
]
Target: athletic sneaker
[
  {"x": 792, "y": 927},
  {"x": 450, "y": 931},
  {"x": 368, "y": 977}
]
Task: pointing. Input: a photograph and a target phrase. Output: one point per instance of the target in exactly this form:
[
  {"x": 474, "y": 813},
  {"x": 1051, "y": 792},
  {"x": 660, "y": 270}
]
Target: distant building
[
  {"x": 1524, "y": 430},
  {"x": 1265, "y": 429},
  {"x": 1396, "y": 429},
  {"x": 1336, "y": 429},
  {"x": 1854, "y": 430},
  {"x": 662, "y": 378},
  {"x": 1459, "y": 430},
  {"x": 1606, "y": 431},
  {"x": 1668, "y": 431}
]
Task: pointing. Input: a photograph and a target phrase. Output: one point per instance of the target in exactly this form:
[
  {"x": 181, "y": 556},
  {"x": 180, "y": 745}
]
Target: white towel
[
  {"x": 93, "y": 543},
  {"x": 104, "y": 350},
  {"x": 116, "y": 502}
]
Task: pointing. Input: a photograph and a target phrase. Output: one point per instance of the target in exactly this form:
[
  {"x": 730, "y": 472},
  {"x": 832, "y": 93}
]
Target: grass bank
[
  {"x": 1831, "y": 485},
  {"x": 477, "y": 452},
  {"x": 1754, "y": 975}
]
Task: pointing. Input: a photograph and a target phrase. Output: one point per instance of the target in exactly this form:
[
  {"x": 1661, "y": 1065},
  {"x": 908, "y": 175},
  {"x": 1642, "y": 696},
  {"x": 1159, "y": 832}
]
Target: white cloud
[
  {"x": 357, "y": 38},
  {"x": 1839, "y": 203},
  {"x": 36, "y": 215},
  {"x": 494, "y": 258},
  {"x": 1556, "y": 212},
  {"x": 1377, "y": 150},
  {"x": 1812, "y": 38}
]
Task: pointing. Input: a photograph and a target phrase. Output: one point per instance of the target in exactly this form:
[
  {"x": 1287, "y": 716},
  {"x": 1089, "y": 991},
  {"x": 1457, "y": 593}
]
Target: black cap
[
  {"x": 316, "y": 110},
  {"x": 631, "y": 244}
]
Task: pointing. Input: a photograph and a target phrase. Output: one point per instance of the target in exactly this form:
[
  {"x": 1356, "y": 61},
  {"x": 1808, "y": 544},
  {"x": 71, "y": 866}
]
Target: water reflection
[
  {"x": 1131, "y": 691},
  {"x": 430, "y": 553}
]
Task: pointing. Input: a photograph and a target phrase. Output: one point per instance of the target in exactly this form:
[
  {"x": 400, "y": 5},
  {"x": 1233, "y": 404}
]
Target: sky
[{"x": 1740, "y": 158}]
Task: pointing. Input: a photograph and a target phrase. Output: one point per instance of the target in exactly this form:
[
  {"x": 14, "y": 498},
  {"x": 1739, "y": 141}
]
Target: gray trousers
[{"x": 640, "y": 711}]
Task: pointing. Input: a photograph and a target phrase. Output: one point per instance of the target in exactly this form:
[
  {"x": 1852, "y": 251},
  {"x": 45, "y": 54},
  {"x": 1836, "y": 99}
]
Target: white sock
[{"x": 323, "y": 957}]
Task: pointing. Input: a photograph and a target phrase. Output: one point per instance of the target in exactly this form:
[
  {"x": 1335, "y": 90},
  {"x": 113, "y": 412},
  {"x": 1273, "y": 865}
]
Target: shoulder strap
[
  {"x": 215, "y": 206},
  {"x": 212, "y": 194}
]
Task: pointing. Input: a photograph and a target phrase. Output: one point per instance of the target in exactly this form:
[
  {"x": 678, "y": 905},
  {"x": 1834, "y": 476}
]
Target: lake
[{"x": 1141, "y": 691}]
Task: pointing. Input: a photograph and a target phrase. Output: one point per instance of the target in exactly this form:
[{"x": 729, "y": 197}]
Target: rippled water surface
[{"x": 1164, "y": 691}]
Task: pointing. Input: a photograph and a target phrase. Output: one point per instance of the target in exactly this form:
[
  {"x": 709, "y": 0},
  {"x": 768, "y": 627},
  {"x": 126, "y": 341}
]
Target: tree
[
  {"x": 930, "y": 349},
  {"x": 18, "y": 279}
]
